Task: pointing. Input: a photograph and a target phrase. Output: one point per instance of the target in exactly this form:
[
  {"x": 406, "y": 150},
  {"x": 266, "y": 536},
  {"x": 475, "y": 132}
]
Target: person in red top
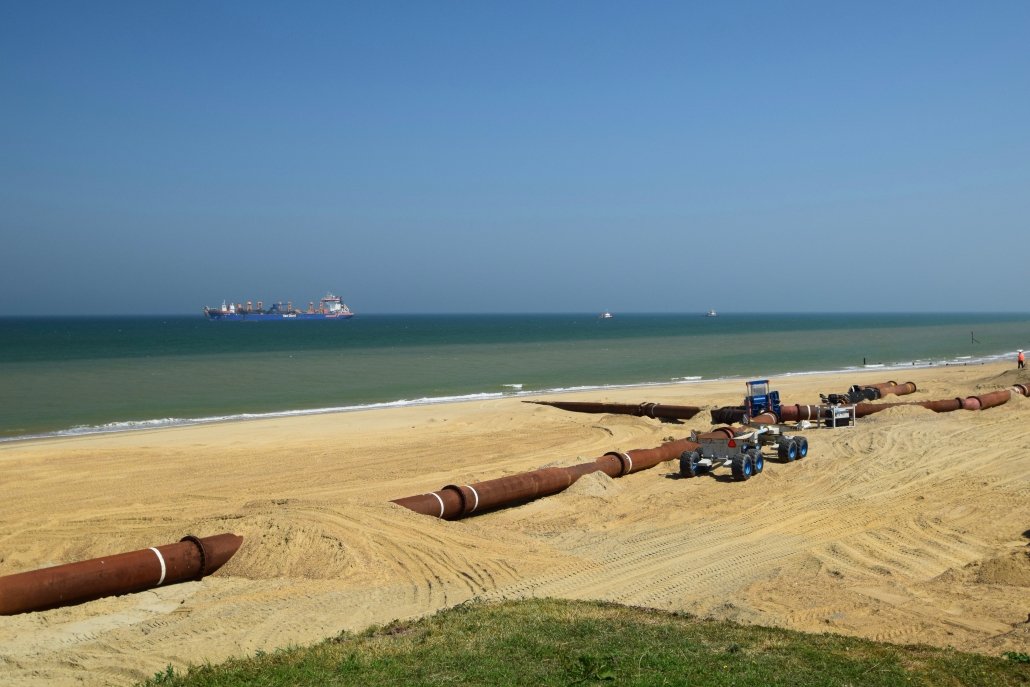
[{"x": 1020, "y": 360}]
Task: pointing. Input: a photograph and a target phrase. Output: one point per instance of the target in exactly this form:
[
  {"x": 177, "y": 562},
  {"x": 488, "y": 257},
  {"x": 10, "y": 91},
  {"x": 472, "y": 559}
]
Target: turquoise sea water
[{"x": 81, "y": 375}]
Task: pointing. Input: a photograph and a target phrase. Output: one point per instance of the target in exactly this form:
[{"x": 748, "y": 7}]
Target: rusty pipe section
[
  {"x": 454, "y": 501},
  {"x": 796, "y": 412},
  {"x": 719, "y": 433},
  {"x": 945, "y": 405},
  {"x": 879, "y": 386},
  {"x": 991, "y": 399},
  {"x": 728, "y": 414},
  {"x": 893, "y": 388},
  {"x": 941, "y": 406},
  {"x": 890, "y": 387},
  {"x": 652, "y": 410},
  {"x": 190, "y": 559}
]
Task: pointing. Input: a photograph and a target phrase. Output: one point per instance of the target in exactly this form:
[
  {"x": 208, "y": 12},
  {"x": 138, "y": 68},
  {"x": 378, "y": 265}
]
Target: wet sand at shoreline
[{"x": 909, "y": 527}]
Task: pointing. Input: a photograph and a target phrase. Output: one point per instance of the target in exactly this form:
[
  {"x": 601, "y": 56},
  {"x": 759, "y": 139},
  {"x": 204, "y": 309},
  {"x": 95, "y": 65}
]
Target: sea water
[{"x": 67, "y": 376}]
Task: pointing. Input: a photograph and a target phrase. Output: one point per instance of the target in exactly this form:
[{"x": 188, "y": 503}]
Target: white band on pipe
[
  {"x": 161, "y": 560},
  {"x": 476, "y": 493},
  {"x": 433, "y": 493},
  {"x": 627, "y": 466}
]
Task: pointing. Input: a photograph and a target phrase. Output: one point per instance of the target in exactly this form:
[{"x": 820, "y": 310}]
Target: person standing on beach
[{"x": 1020, "y": 360}]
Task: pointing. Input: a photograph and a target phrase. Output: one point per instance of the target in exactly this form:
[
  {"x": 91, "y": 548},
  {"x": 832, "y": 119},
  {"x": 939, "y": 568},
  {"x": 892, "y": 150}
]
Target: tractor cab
[{"x": 760, "y": 399}]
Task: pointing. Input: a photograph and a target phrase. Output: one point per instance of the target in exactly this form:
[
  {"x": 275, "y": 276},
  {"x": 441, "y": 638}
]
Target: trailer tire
[
  {"x": 757, "y": 460},
  {"x": 742, "y": 467},
  {"x": 802, "y": 447},
  {"x": 788, "y": 450},
  {"x": 689, "y": 464}
]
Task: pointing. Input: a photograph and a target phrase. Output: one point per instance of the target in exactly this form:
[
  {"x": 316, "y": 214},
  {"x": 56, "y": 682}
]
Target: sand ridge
[{"x": 909, "y": 527}]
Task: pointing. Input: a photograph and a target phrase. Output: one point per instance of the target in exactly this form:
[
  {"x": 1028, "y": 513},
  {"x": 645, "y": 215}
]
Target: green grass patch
[{"x": 554, "y": 642}]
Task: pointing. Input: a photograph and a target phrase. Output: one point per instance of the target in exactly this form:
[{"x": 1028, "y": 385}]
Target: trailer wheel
[
  {"x": 742, "y": 467},
  {"x": 757, "y": 460},
  {"x": 788, "y": 450},
  {"x": 689, "y": 464},
  {"x": 802, "y": 447}
]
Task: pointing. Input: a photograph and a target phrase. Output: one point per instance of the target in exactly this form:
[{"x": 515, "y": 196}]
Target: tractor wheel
[
  {"x": 787, "y": 450},
  {"x": 742, "y": 467},
  {"x": 689, "y": 464},
  {"x": 802, "y": 447},
  {"x": 757, "y": 460}
]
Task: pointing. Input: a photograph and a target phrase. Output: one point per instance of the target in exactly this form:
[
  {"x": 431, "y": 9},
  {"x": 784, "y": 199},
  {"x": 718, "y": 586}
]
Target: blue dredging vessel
[{"x": 330, "y": 307}]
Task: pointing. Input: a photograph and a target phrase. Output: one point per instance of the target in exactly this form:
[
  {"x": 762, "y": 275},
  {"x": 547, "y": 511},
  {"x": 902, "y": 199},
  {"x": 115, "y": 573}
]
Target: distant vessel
[
  {"x": 330, "y": 307},
  {"x": 711, "y": 313},
  {"x": 606, "y": 315}
]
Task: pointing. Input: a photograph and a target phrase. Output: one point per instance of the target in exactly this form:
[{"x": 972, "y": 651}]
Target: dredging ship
[{"x": 330, "y": 307}]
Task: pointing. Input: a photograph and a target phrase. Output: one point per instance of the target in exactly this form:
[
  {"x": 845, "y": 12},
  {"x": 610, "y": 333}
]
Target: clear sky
[{"x": 515, "y": 157}]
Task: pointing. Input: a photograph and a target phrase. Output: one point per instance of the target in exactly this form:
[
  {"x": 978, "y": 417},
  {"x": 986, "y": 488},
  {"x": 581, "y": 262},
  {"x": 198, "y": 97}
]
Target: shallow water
[{"x": 80, "y": 375}]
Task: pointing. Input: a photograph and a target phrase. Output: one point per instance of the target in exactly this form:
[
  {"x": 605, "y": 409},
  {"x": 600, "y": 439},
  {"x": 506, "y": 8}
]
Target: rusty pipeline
[
  {"x": 879, "y": 387},
  {"x": 941, "y": 406},
  {"x": 992, "y": 399},
  {"x": 728, "y": 414},
  {"x": 890, "y": 388},
  {"x": 646, "y": 409},
  {"x": 944, "y": 405},
  {"x": 190, "y": 559},
  {"x": 989, "y": 400},
  {"x": 863, "y": 409},
  {"x": 897, "y": 389},
  {"x": 971, "y": 403},
  {"x": 719, "y": 433},
  {"x": 947, "y": 405},
  {"x": 796, "y": 412},
  {"x": 454, "y": 502}
]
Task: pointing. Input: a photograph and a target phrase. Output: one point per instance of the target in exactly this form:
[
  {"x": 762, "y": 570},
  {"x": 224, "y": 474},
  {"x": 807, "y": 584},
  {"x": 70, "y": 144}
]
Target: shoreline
[{"x": 132, "y": 426}]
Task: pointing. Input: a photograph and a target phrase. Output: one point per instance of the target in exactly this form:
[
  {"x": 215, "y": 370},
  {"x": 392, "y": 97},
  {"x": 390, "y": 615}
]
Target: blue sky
[{"x": 515, "y": 157}]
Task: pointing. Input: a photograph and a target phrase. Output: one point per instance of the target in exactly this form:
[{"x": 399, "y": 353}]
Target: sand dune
[{"x": 909, "y": 527}]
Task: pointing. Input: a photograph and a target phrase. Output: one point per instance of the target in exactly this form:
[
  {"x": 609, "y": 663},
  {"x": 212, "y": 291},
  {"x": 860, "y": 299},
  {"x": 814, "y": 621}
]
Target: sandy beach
[{"x": 910, "y": 527}]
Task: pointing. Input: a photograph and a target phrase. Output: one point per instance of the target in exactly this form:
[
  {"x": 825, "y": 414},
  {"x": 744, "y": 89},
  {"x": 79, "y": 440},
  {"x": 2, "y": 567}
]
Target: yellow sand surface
[{"x": 911, "y": 526}]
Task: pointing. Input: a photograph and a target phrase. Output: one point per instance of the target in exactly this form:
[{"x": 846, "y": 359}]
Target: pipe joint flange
[
  {"x": 203, "y": 553},
  {"x": 469, "y": 498},
  {"x": 625, "y": 461}
]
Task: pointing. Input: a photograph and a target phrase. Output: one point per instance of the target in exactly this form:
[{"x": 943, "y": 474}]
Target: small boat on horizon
[
  {"x": 711, "y": 313},
  {"x": 605, "y": 315}
]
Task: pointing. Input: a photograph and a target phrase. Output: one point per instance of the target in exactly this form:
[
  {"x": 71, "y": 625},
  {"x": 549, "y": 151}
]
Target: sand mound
[
  {"x": 595, "y": 485},
  {"x": 1012, "y": 570}
]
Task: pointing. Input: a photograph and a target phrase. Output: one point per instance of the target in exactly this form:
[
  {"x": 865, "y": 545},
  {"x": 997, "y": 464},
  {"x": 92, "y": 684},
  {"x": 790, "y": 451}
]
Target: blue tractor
[{"x": 760, "y": 399}]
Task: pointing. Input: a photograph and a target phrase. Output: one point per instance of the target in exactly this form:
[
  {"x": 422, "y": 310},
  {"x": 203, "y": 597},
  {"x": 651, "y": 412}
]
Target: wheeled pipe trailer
[{"x": 740, "y": 451}]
